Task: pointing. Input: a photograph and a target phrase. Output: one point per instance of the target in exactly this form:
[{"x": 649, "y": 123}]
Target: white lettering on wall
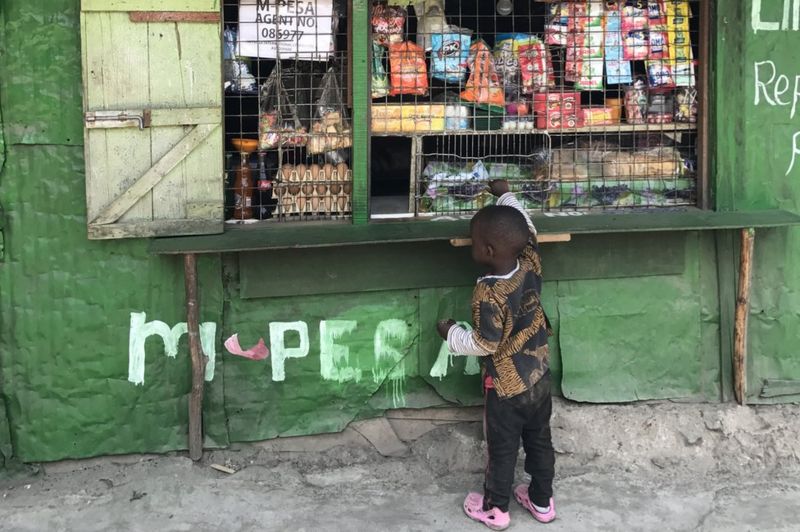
[
  {"x": 334, "y": 359},
  {"x": 141, "y": 330},
  {"x": 772, "y": 88},
  {"x": 791, "y": 15},
  {"x": 795, "y": 151},
  {"x": 389, "y": 359},
  {"x": 277, "y": 345},
  {"x": 392, "y": 342}
]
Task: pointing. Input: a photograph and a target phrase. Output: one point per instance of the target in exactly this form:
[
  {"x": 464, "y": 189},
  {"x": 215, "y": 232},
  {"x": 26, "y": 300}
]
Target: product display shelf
[
  {"x": 605, "y": 129},
  {"x": 417, "y": 153}
]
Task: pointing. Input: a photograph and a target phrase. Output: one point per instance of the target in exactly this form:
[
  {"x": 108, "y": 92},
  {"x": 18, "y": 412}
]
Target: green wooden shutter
[{"x": 153, "y": 117}]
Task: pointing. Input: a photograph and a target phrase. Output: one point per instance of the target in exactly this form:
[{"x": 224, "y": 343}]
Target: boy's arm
[
  {"x": 488, "y": 332},
  {"x": 462, "y": 342},
  {"x": 510, "y": 200},
  {"x": 499, "y": 187}
]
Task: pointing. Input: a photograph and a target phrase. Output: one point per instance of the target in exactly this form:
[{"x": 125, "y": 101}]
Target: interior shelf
[{"x": 608, "y": 129}]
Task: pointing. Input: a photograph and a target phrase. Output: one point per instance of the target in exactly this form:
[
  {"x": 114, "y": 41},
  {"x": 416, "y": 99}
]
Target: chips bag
[
  {"x": 484, "y": 84},
  {"x": 449, "y": 56},
  {"x": 635, "y": 32},
  {"x": 535, "y": 65},
  {"x": 409, "y": 73},
  {"x": 506, "y": 62},
  {"x": 387, "y": 24}
]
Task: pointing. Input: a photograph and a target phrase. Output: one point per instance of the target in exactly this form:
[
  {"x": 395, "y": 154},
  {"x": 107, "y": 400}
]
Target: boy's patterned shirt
[{"x": 508, "y": 317}]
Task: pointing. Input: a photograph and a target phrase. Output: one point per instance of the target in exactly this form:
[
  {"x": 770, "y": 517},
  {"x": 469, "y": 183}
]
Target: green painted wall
[
  {"x": 754, "y": 164},
  {"x": 629, "y": 323},
  {"x": 65, "y": 301}
]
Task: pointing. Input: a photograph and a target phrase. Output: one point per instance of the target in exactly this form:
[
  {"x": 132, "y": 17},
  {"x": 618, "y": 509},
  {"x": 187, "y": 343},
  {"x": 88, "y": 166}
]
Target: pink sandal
[
  {"x": 521, "y": 494},
  {"x": 494, "y": 518}
]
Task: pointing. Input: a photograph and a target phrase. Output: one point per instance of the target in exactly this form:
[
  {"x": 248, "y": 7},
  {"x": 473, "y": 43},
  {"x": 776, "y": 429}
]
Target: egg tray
[{"x": 299, "y": 195}]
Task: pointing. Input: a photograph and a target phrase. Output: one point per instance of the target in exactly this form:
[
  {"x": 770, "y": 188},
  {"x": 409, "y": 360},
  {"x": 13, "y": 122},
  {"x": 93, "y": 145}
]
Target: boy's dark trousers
[{"x": 525, "y": 416}]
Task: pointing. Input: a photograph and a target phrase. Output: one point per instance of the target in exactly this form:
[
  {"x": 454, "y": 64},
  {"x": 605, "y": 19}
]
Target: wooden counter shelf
[{"x": 288, "y": 235}]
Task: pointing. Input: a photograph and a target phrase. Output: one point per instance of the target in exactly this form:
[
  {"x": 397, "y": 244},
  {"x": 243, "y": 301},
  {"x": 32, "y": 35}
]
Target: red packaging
[
  {"x": 656, "y": 13},
  {"x": 557, "y": 110},
  {"x": 409, "y": 74},
  {"x": 559, "y": 21},
  {"x": 535, "y": 67},
  {"x": 635, "y": 16},
  {"x": 388, "y": 24}
]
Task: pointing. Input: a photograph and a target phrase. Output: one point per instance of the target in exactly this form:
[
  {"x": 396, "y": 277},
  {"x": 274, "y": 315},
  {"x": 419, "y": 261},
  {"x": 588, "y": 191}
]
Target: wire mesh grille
[
  {"x": 287, "y": 97},
  {"x": 580, "y": 105}
]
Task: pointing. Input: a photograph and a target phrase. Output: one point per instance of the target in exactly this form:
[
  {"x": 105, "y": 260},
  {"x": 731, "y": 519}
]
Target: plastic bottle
[{"x": 243, "y": 189}]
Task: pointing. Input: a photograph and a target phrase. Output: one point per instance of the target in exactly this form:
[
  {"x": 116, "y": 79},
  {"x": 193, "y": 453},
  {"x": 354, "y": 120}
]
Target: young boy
[{"x": 510, "y": 331}]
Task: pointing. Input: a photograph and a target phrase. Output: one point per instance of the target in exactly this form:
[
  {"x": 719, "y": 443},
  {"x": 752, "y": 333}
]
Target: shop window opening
[
  {"x": 580, "y": 105},
  {"x": 287, "y": 111}
]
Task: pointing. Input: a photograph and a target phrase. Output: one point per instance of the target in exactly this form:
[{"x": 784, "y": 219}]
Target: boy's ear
[{"x": 490, "y": 251}]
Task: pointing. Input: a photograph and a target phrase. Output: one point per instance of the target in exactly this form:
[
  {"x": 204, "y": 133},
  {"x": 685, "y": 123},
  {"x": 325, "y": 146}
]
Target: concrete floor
[{"x": 714, "y": 479}]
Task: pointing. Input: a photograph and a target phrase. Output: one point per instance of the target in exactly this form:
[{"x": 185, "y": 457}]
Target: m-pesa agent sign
[{"x": 286, "y": 29}]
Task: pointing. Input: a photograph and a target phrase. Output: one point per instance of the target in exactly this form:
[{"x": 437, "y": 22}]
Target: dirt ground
[{"x": 660, "y": 466}]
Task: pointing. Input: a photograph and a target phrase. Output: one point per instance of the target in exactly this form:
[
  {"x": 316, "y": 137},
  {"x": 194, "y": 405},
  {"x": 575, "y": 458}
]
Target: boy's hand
[
  {"x": 443, "y": 326},
  {"x": 498, "y": 187}
]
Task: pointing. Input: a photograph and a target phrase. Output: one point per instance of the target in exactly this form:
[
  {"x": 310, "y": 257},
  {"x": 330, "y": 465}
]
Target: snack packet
[
  {"x": 449, "y": 56},
  {"x": 635, "y": 22},
  {"x": 558, "y": 23},
  {"x": 618, "y": 71},
  {"x": 659, "y": 74},
  {"x": 483, "y": 85},
  {"x": 506, "y": 62},
  {"x": 409, "y": 73},
  {"x": 535, "y": 65},
  {"x": 380, "y": 81},
  {"x": 387, "y": 24}
]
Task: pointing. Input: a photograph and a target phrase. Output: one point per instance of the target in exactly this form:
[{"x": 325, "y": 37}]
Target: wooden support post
[
  {"x": 198, "y": 358},
  {"x": 742, "y": 310}
]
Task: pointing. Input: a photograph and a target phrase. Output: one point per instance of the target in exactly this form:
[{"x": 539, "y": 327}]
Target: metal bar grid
[
  {"x": 605, "y": 93},
  {"x": 288, "y": 132}
]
